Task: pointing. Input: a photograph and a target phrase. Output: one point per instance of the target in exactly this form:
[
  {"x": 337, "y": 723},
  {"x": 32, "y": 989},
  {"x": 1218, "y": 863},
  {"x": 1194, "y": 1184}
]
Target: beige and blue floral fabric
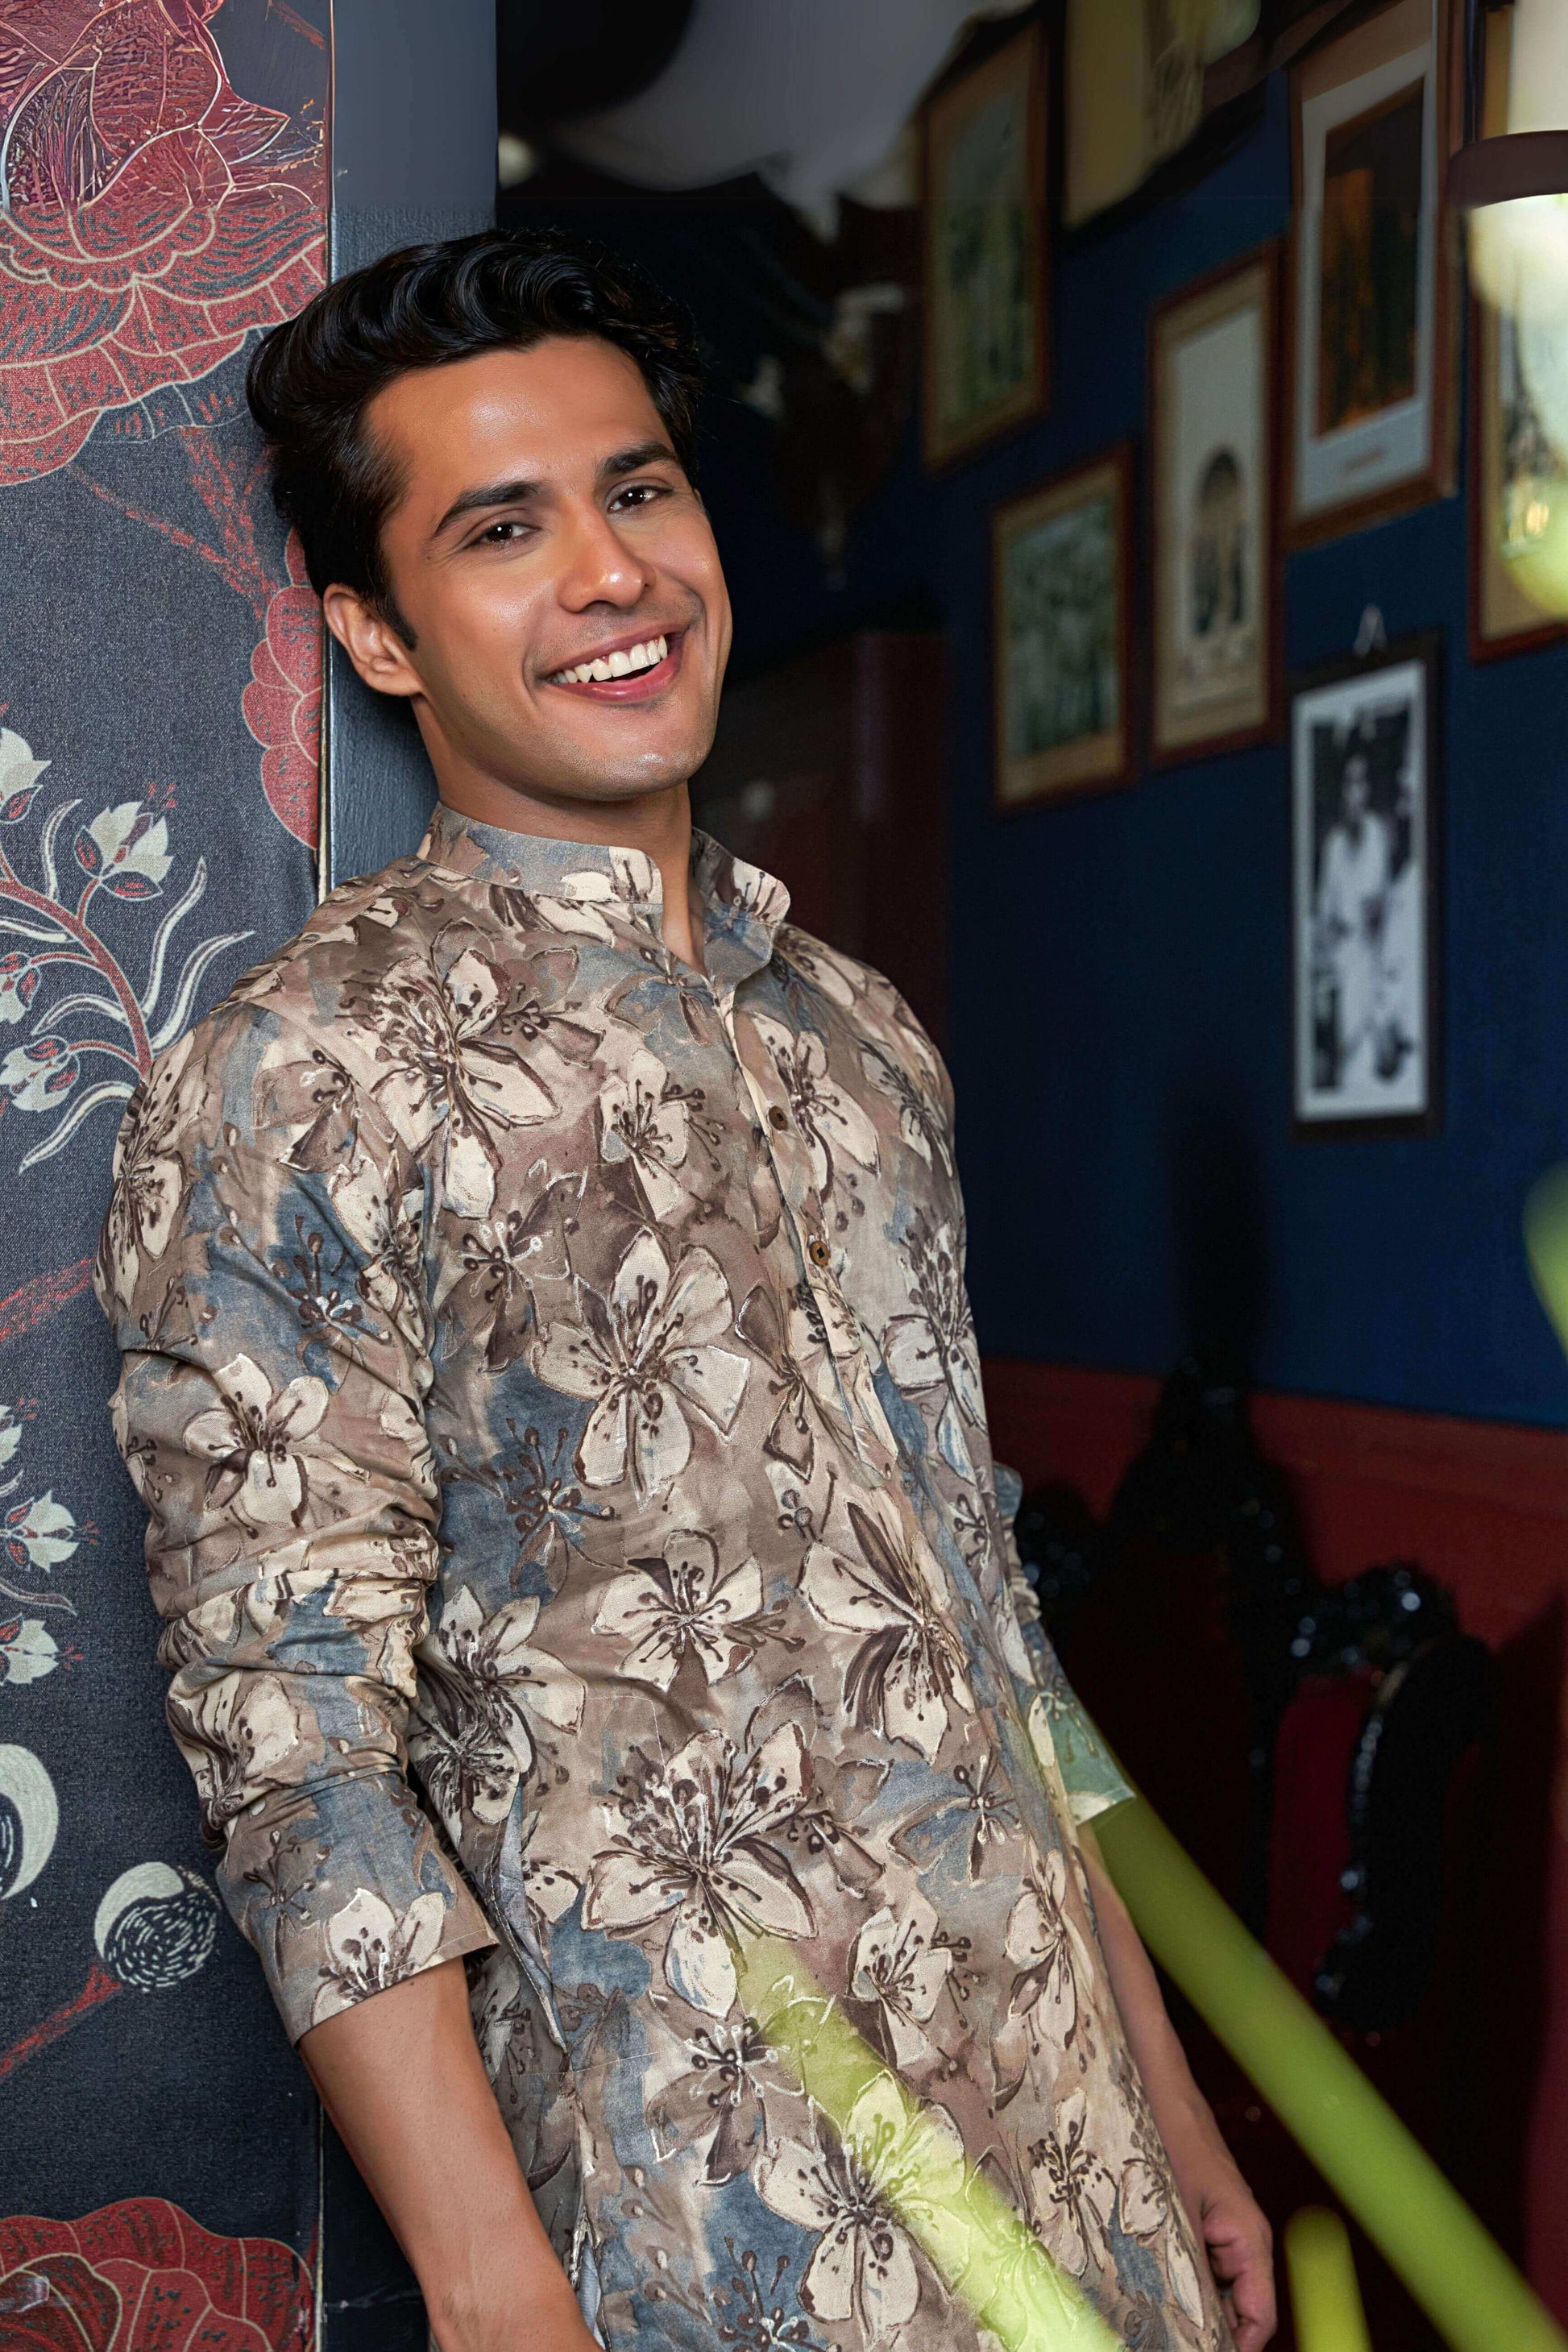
[{"x": 550, "y": 1376}]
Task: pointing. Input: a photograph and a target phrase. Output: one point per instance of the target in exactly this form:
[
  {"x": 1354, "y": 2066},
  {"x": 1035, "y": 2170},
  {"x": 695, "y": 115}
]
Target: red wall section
[{"x": 1483, "y": 1505}]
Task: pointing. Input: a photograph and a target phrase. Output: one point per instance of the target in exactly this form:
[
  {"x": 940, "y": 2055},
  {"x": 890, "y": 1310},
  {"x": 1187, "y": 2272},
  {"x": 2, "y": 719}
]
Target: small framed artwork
[
  {"x": 985, "y": 357},
  {"x": 1373, "y": 308},
  {"x": 1364, "y": 893},
  {"x": 1517, "y": 479},
  {"x": 1062, "y": 625},
  {"x": 1213, "y": 509},
  {"x": 1516, "y": 476}
]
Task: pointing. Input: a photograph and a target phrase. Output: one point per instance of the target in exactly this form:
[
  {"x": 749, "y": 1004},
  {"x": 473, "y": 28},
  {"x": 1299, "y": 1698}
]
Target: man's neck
[{"x": 658, "y": 823}]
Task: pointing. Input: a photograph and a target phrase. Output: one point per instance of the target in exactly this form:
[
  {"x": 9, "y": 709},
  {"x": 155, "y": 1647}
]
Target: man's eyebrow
[
  {"x": 642, "y": 453},
  {"x": 486, "y": 494}
]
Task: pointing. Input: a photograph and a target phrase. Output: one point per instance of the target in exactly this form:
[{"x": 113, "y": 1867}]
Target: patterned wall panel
[{"x": 163, "y": 192}]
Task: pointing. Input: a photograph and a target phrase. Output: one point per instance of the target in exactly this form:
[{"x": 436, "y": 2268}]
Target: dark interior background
[{"x": 1119, "y": 983}]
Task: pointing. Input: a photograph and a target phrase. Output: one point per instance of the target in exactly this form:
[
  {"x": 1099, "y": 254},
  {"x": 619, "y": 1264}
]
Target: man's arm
[
  {"x": 1224, "y": 2211},
  {"x": 401, "y": 2076},
  {"x": 258, "y": 1266}
]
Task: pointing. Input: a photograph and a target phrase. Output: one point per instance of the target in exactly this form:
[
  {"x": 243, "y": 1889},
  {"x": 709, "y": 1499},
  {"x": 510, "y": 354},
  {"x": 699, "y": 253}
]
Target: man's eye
[
  {"x": 502, "y": 533},
  {"x": 639, "y": 494}
]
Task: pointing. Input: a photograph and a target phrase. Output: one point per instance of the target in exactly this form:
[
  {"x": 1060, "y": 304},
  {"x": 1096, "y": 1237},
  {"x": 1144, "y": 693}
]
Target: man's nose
[{"x": 598, "y": 567}]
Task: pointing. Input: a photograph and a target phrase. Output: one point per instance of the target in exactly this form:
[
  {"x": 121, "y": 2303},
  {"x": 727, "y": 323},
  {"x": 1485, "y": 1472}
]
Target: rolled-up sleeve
[
  {"x": 261, "y": 1267},
  {"x": 1064, "y": 1737}
]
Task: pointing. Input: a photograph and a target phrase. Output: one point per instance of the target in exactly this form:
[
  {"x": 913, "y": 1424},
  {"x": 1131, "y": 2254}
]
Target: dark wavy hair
[{"x": 311, "y": 380}]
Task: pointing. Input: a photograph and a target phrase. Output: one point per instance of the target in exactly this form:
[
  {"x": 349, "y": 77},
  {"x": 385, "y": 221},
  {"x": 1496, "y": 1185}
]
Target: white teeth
[{"x": 616, "y": 665}]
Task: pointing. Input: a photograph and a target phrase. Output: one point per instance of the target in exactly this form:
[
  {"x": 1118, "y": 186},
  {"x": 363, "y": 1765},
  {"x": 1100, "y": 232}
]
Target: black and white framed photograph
[{"x": 1364, "y": 854}]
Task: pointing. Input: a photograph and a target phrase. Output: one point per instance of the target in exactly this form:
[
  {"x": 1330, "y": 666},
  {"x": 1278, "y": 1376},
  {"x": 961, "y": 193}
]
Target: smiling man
[{"x": 549, "y": 1377}]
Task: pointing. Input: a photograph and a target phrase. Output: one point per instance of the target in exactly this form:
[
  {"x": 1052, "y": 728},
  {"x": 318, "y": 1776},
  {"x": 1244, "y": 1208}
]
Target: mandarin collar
[{"x": 743, "y": 906}]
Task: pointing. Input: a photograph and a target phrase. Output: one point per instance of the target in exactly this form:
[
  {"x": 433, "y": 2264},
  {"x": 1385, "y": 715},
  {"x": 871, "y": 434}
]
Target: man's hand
[
  {"x": 401, "y": 2076},
  {"x": 1235, "y": 2233},
  {"x": 1240, "y": 2246}
]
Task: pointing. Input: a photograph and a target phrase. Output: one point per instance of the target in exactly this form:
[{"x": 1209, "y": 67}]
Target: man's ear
[{"x": 370, "y": 643}]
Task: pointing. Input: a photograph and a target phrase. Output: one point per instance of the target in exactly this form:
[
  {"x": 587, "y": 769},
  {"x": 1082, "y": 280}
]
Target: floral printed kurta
[{"x": 549, "y": 1373}]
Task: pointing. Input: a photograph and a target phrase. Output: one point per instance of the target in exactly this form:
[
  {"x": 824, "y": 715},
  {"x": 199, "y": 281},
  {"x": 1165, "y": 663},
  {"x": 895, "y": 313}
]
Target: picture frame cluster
[{"x": 1304, "y": 389}]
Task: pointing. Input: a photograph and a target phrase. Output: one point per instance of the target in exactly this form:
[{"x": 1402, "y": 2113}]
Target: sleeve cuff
[
  {"x": 1071, "y": 1751},
  {"x": 345, "y": 1890}
]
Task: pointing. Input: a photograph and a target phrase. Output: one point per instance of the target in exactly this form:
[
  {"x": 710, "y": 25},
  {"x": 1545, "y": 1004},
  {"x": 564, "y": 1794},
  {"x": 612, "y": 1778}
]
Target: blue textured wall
[{"x": 1119, "y": 1032}]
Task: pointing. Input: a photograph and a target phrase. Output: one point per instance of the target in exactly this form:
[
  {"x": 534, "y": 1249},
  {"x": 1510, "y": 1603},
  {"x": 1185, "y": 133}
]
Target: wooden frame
[
  {"x": 1391, "y": 993},
  {"x": 1216, "y": 721},
  {"x": 1095, "y": 758},
  {"x": 951, "y": 431},
  {"x": 1367, "y": 465},
  {"x": 1502, "y": 619}
]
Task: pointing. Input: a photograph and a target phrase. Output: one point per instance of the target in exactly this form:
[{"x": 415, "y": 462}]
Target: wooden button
[
  {"x": 819, "y": 1253},
  {"x": 779, "y": 1118}
]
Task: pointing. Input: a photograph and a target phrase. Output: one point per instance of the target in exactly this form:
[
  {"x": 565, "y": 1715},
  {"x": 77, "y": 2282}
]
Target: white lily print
[
  {"x": 126, "y": 840},
  {"x": 647, "y": 1356},
  {"x": 1073, "y": 2190},
  {"x": 149, "y": 1174},
  {"x": 1150, "y": 2212},
  {"x": 678, "y": 1605},
  {"x": 643, "y": 1122},
  {"x": 250, "y": 1439},
  {"x": 898, "y": 1967},
  {"x": 893, "y": 2164},
  {"x": 907, "y": 1675},
  {"x": 827, "y": 1119},
  {"x": 239, "y": 1736},
  {"x": 38, "y": 1534},
  {"x": 477, "y": 1745},
  {"x": 371, "y": 1947},
  {"x": 694, "y": 1837},
  {"x": 1055, "y": 1966},
  {"x": 28, "y": 1651},
  {"x": 823, "y": 968},
  {"x": 458, "y": 1066},
  {"x": 921, "y": 1121},
  {"x": 933, "y": 1347},
  {"x": 19, "y": 978}
]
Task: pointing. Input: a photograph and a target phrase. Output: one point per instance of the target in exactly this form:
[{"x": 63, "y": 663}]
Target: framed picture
[
  {"x": 1372, "y": 306},
  {"x": 1364, "y": 864},
  {"x": 1213, "y": 506},
  {"x": 1062, "y": 627},
  {"x": 1516, "y": 476},
  {"x": 985, "y": 360},
  {"x": 1516, "y": 482}
]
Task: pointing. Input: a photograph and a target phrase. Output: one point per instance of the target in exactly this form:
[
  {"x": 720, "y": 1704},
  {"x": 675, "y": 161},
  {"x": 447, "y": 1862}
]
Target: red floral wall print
[
  {"x": 282, "y": 703},
  {"x": 150, "y": 217},
  {"x": 162, "y": 198},
  {"x": 142, "y": 2276}
]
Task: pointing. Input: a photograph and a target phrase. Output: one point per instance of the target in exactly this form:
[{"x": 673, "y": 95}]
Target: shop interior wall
[{"x": 1119, "y": 1010}]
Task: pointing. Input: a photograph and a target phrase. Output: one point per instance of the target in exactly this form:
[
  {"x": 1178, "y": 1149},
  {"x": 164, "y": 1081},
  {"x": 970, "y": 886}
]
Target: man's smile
[{"x": 633, "y": 671}]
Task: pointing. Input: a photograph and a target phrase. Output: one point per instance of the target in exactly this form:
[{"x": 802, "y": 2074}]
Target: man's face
[
  {"x": 1356, "y": 792},
  {"x": 544, "y": 524}
]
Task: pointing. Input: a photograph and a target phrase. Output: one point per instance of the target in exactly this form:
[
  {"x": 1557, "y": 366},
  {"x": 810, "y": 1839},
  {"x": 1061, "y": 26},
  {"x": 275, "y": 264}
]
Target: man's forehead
[{"x": 568, "y": 401}]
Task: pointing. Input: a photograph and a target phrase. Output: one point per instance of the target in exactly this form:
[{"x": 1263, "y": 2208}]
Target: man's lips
[{"x": 638, "y": 685}]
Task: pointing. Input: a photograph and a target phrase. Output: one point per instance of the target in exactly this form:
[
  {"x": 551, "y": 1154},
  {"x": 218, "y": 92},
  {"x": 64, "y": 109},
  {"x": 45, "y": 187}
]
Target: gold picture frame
[
  {"x": 985, "y": 361},
  {"x": 1062, "y": 633},
  {"x": 1214, "y": 511}
]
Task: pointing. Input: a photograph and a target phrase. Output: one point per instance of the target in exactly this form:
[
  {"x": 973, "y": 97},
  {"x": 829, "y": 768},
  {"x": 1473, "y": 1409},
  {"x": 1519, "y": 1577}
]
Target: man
[
  {"x": 548, "y": 1365},
  {"x": 1352, "y": 890}
]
